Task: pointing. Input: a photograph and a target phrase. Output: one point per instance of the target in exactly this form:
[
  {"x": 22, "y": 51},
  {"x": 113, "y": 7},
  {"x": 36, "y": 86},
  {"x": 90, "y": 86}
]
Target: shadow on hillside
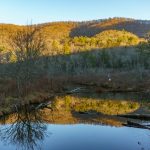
[
  {"x": 115, "y": 58},
  {"x": 104, "y": 68},
  {"x": 61, "y": 59},
  {"x": 92, "y": 29}
]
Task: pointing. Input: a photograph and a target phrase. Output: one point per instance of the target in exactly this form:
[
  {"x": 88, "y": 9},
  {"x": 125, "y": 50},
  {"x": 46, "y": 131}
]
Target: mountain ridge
[{"x": 64, "y": 31}]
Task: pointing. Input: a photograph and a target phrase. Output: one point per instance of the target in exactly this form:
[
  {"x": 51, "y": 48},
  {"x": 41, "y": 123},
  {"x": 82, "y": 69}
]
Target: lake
[{"x": 78, "y": 122}]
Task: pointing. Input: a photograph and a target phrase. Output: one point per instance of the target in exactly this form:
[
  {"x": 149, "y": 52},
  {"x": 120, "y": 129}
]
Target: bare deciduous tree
[{"x": 28, "y": 45}]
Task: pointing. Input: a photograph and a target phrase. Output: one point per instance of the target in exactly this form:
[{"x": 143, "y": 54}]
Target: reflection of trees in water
[{"x": 26, "y": 131}]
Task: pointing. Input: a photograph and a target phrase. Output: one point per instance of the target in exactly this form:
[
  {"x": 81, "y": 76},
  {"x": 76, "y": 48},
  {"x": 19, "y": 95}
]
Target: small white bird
[{"x": 109, "y": 78}]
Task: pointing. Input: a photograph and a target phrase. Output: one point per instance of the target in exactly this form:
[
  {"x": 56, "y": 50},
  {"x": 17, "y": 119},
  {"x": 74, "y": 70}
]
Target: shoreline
[{"x": 43, "y": 89}]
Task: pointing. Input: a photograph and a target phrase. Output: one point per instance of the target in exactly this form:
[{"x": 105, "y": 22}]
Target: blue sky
[{"x": 39, "y": 11}]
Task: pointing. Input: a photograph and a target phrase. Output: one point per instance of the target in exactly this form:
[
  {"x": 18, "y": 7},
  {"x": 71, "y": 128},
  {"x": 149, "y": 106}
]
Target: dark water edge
[{"x": 137, "y": 96}]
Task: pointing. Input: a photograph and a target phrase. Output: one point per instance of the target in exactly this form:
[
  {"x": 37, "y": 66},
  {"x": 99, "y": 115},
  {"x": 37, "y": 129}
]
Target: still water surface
[
  {"x": 67, "y": 127},
  {"x": 87, "y": 137}
]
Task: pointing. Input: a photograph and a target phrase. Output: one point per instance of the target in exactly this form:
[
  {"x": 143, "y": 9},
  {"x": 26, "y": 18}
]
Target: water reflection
[
  {"x": 108, "y": 107},
  {"x": 29, "y": 127},
  {"x": 26, "y": 129}
]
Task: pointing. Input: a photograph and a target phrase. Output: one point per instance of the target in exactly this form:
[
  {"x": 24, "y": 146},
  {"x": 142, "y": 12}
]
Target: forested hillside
[{"x": 62, "y": 32}]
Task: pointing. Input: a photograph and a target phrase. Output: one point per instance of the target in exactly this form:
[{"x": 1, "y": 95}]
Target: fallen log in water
[
  {"x": 77, "y": 90},
  {"x": 136, "y": 116},
  {"x": 136, "y": 125},
  {"x": 42, "y": 105}
]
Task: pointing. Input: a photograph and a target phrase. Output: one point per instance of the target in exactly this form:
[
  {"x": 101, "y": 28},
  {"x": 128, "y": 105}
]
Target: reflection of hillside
[
  {"x": 108, "y": 107},
  {"x": 26, "y": 128},
  {"x": 68, "y": 117},
  {"x": 72, "y": 110}
]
